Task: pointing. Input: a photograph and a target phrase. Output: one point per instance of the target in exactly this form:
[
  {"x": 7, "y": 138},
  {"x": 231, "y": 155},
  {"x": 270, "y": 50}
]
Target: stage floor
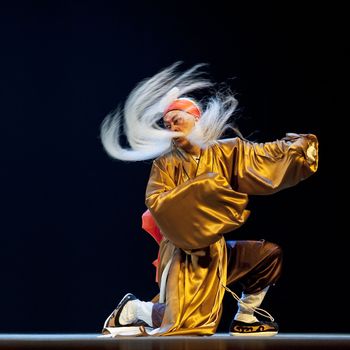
[{"x": 218, "y": 341}]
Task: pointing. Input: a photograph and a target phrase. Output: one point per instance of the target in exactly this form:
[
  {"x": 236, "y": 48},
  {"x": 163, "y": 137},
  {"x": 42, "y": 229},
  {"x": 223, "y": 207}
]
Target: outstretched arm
[{"x": 266, "y": 168}]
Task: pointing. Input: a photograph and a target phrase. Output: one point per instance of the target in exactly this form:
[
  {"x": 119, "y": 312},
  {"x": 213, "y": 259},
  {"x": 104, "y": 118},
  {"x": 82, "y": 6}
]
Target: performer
[{"x": 197, "y": 192}]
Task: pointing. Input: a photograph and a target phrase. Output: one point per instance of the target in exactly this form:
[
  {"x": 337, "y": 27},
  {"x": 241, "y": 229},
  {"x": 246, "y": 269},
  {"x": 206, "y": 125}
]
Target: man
[{"x": 198, "y": 191}]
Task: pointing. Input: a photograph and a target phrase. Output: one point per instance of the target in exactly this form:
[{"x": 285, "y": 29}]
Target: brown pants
[{"x": 253, "y": 264}]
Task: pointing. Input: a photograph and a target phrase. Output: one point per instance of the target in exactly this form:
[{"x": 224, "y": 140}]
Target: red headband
[{"x": 184, "y": 104}]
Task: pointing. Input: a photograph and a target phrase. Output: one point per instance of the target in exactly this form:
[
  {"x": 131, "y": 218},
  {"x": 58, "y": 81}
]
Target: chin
[{"x": 181, "y": 142}]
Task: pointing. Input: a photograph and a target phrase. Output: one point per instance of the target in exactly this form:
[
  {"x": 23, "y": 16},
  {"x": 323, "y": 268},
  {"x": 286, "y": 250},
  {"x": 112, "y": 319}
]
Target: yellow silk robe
[{"x": 194, "y": 205}]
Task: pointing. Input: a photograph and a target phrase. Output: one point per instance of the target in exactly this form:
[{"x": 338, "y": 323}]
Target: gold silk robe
[{"x": 194, "y": 205}]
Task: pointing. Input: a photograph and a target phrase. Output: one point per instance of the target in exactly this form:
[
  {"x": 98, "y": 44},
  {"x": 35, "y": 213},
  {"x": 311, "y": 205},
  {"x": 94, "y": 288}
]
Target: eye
[{"x": 177, "y": 120}]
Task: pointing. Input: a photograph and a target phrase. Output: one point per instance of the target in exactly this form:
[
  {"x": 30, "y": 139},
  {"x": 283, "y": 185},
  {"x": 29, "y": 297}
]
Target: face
[{"x": 180, "y": 121}]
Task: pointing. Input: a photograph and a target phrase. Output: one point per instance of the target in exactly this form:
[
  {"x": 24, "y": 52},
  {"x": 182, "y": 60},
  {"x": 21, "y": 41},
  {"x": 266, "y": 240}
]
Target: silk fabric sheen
[{"x": 195, "y": 204}]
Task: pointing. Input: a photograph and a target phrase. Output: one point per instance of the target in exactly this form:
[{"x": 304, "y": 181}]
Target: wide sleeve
[
  {"x": 196, "y": 213},
  {"x": 266, "y": 168}
]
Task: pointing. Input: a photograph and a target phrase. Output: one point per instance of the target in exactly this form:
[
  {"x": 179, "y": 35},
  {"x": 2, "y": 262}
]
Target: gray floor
[
  {"x": 219, "y": 341},
  {"x": 95, "y": 336}
]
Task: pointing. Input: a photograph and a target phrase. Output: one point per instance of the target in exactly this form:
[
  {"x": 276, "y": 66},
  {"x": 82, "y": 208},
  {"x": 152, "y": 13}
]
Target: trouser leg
[
  {"x": 158, "y": 314},
  {"x": 253, "y": 264}
]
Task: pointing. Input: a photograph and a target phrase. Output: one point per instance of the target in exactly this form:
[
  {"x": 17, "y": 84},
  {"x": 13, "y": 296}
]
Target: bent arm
[{"x": 196, "y": 213}]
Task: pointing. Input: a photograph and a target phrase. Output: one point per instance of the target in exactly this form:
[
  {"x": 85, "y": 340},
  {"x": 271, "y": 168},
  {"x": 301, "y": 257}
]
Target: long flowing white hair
[{"x": 139, "y": 119}]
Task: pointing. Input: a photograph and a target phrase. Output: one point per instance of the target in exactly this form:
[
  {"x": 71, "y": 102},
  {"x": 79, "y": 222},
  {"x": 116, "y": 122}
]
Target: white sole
[{"x": 254, "y": 334}]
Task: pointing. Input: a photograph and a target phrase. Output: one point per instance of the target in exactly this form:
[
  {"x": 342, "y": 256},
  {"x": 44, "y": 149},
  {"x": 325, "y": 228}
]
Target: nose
[{"x": 173, "y": 127}]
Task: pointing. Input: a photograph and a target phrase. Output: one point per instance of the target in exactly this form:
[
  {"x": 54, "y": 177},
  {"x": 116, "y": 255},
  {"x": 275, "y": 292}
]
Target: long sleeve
[
  {"x": 196, "y": 213},
  {"x": 266, "y": 168}
]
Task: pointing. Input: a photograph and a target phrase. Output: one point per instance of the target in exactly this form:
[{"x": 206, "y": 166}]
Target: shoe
[
  {"x": 260, "y": 328},
  {"x": 113, "y": 318}
]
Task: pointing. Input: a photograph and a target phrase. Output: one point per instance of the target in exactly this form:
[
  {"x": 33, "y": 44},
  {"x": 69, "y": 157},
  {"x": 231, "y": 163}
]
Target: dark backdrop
[{"x": 71, "y": 242}]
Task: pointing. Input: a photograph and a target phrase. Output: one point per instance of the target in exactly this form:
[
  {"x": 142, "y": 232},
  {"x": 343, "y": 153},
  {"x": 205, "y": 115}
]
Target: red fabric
[
  {"x": 150, "y": 226},
  {"x": 184, "y": 104}
]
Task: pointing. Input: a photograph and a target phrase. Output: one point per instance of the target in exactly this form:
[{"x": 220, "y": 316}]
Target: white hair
[{"x": 145, "y": 106}]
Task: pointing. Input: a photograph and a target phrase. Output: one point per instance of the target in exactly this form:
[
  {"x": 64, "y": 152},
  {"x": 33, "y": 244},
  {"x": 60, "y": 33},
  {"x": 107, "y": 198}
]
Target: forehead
[{"x": 172, "y": 114}]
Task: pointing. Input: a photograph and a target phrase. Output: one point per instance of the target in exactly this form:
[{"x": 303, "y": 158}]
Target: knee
[{"x": 274, "y": 251}]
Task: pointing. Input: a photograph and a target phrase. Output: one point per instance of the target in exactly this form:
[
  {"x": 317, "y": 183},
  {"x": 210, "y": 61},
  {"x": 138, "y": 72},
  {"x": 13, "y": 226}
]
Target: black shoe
[
  {"x": 113, "y": 318},
  {"x": 260, "y": 328}
]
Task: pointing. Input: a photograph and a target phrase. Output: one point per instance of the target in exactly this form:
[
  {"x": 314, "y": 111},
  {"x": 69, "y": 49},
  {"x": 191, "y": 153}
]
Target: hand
[{"x": 311, "y": 153}]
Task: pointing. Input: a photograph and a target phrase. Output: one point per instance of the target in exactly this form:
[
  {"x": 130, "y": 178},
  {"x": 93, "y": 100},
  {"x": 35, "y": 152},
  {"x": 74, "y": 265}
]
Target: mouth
[{"x": 178, "y": 139}]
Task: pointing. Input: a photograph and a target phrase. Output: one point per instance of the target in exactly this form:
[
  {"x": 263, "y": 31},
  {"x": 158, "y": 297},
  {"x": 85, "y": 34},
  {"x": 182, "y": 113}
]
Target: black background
[{"x": 71, "y": 242}]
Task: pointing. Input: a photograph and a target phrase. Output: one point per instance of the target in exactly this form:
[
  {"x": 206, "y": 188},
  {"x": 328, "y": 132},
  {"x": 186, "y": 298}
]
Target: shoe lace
[{"x": 257, "y": 310}]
